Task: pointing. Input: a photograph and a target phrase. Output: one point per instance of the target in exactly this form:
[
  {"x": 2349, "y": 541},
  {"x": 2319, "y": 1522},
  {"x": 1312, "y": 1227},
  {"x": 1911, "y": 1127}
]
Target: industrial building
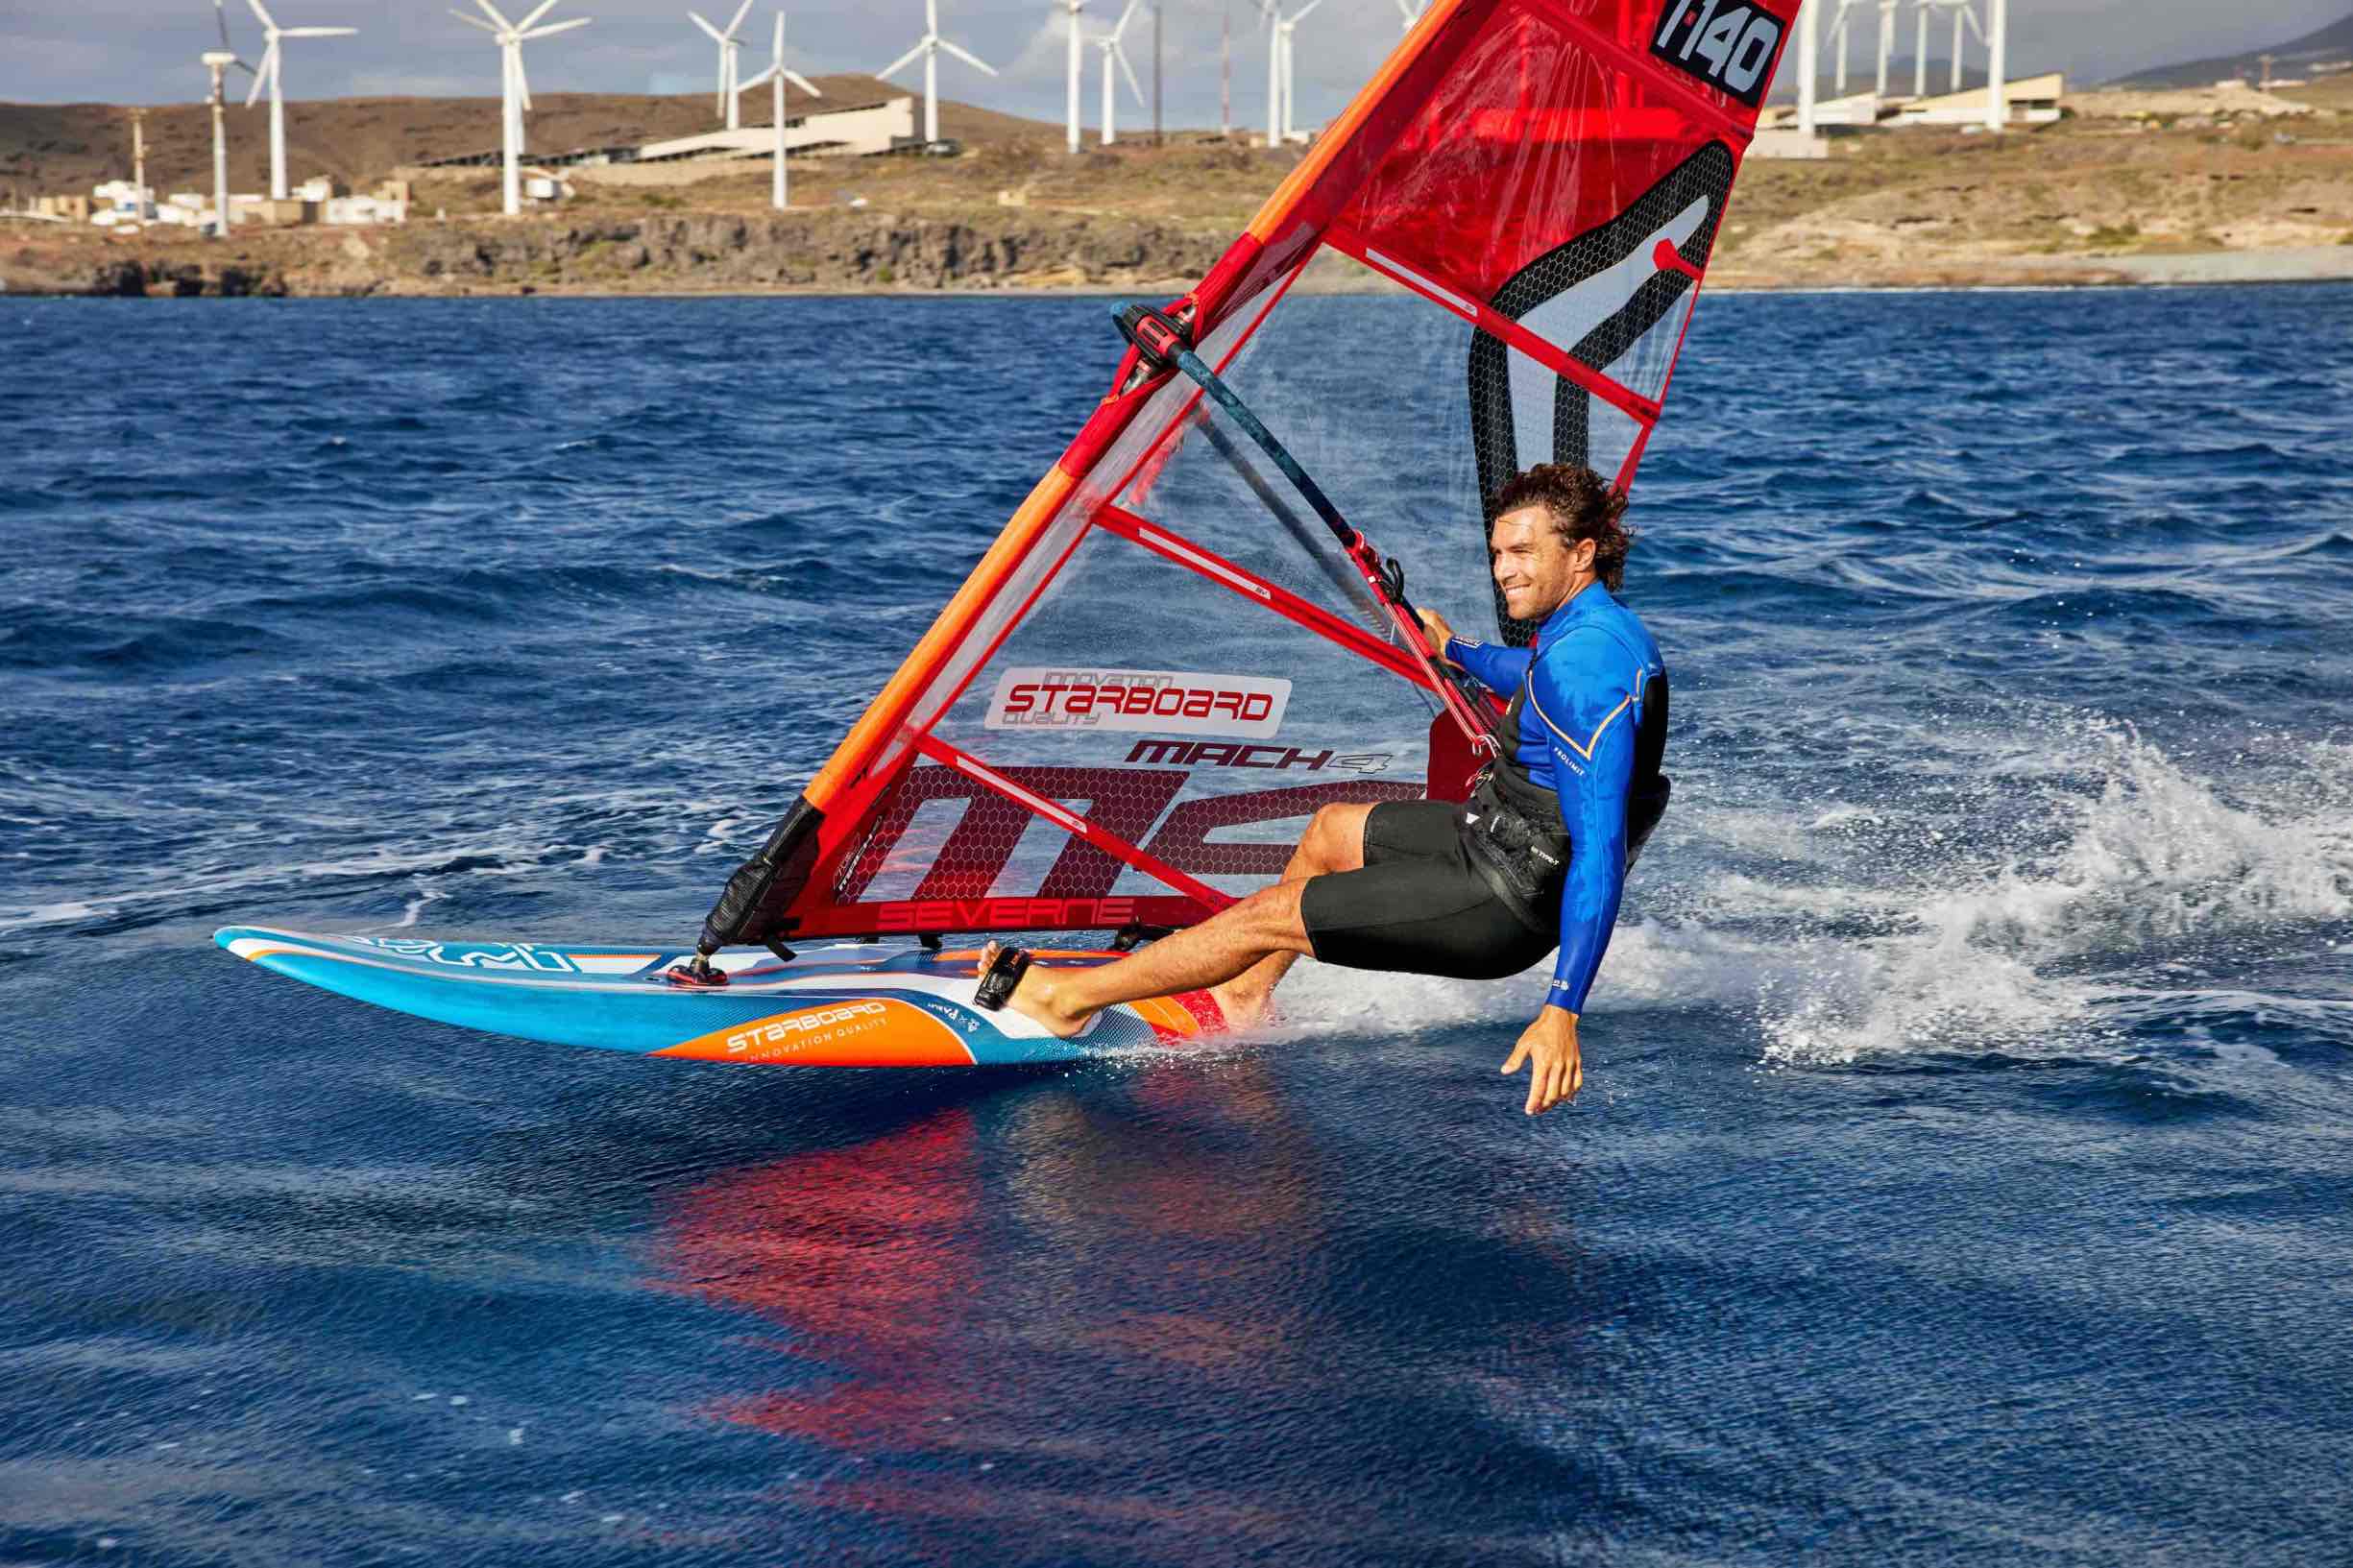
[
  {"x": 855, "y": 130},
  {"x": 2034, "y": 101}
]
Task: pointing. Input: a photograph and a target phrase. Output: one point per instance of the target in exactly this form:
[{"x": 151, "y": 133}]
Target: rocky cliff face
[
  {"x": 820, "y": 249},
  {"x": 135, "y": 276}
]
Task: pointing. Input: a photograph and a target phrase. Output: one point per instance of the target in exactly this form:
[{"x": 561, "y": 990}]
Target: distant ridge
[{"x": 2293, "y": 57}]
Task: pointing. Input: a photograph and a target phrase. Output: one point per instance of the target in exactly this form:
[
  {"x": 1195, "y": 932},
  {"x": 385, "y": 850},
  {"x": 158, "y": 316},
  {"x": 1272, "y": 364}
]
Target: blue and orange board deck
[{"x": 850, "y": 1004}]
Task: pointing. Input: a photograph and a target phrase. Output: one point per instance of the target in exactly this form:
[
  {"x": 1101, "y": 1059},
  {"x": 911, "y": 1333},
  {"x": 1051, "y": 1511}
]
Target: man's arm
[
  {"x": 1589, "y": 723},
  {"x": 1499, "y": 669},
  {"x": 1584, "y": 700}
]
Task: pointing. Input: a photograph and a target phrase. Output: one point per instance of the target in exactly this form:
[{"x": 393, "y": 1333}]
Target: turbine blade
[
  {"x": 759, "y": 80},
  {"x": 317, "y": 32},
  {"x": 696, "y": 17},
  {"x": 523, "y": 83},
  {"x": 261, "y": 74},
  {"x": 476, "y": 21},
  {"x": 902, "y": 62},
  {"x": 1129, "y": 71},
  {"x": 804, "y": 84},
  {"x": 1127, "y": 16},
  {"x": 267, "y": 20},
  {"x": 971, "y": 60},
  {"x": 524, "y": 26},
  {"x": 1300, "y": 15},
  {"x": 220, "y": 15},
  {"x": 737, "y": 19},
  {"x": 553, "y": 28},
  {"x": 492, "y": 12}
]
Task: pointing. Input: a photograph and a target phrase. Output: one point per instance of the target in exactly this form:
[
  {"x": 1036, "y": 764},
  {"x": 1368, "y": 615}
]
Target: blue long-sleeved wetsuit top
[{"x": 1586, "y": 681}]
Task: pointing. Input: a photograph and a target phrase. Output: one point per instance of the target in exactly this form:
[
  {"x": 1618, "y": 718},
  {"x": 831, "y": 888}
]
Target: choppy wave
[{"x": 2146, "y": 865}]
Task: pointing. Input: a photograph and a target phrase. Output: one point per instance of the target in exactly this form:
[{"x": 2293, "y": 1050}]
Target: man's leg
[
  {"x": 1334, "y": 841},
  {"x": 1263, "y": 933}
]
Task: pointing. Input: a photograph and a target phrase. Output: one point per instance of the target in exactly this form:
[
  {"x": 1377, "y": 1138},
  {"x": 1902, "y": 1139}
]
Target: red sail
[{"x": 1159, "y": 669}]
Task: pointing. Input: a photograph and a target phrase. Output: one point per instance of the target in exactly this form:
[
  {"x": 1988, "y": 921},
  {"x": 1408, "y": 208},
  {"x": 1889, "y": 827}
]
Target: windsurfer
[{"x": 1536, "y": 860}]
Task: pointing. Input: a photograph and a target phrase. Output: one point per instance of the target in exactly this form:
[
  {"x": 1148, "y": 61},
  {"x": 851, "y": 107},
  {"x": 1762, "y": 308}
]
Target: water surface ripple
[{"x": 1962, "y": 1178}]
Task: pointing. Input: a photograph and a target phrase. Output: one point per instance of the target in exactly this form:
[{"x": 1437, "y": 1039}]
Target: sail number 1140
[{"x": 1730, "y": 47}]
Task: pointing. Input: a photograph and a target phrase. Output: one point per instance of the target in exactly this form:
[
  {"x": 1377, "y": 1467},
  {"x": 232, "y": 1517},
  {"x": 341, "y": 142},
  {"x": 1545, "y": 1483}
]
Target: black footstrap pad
[{"x": 999, "y": 980}]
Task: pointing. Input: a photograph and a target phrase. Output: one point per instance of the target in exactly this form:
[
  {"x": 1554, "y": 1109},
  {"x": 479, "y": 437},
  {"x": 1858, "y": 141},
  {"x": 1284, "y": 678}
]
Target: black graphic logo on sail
[
  {"x": 1612, "y": 326},
  {"x": 1729, "y": 47}
]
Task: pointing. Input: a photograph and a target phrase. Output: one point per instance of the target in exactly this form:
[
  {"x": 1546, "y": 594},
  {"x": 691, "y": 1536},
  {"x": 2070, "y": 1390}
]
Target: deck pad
[{"x": 849, "y": 1005}]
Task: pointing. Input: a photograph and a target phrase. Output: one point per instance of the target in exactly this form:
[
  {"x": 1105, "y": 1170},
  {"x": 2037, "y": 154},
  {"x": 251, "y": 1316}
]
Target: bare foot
[{"x": 1034, "y": 999}]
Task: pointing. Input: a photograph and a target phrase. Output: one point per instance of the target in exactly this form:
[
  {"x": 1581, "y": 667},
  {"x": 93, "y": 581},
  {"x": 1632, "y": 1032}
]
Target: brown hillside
[{"x": 62, "y": 148}]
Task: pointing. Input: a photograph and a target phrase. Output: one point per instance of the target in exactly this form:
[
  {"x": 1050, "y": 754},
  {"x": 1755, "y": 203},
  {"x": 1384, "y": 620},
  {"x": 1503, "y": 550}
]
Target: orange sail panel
[{"x": 1164, "y": 666}]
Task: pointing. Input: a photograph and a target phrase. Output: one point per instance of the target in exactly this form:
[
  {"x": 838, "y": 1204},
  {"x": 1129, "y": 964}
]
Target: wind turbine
[
  {"x": 729, "y": 48},
  {"x": 269, "y": 73},
  {"x": 1283, "y": 30},
  {"x": 218, "y": 60},
  {"x": 515, "y": 93},
  {"x": 928, "y": 47},
  {"x": 1071, "y": 117},
  {"x": 776, "y": 75},
  {"x": 1108, "y": 43}
]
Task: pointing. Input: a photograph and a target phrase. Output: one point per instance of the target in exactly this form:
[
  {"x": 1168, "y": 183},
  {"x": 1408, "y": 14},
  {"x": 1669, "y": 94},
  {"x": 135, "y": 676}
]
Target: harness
[{"x": 1512, "y": 825}]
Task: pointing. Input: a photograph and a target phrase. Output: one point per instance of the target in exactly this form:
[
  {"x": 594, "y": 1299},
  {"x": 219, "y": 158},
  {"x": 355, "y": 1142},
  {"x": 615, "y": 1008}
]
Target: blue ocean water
[{"x": 1962, "y": 1177}]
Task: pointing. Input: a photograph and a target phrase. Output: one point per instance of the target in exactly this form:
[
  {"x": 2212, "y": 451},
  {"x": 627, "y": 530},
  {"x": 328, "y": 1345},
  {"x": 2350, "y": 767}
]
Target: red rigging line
[{"x": 1553, "y": 176}]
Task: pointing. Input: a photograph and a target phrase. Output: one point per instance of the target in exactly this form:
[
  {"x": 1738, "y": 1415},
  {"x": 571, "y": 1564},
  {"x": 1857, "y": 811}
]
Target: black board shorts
[{"x": 1418, "y": 906}]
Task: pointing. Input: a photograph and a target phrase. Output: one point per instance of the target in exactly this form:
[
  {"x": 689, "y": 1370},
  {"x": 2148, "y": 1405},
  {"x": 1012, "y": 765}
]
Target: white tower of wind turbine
[
  {"x": 731, "y": 50},
  {"x": 1070, "y": 122},
  {"x": 217, "y": 60},
  {"x": 1269, "y": 14},
  {"x": 928, "y": 48},
  {"x": 514, "y": 91},
  {"x": 1841, "y": 33},
  {"x": 776, "y": 75},
  {"x": 1108, "y": 43},
  {"x": 1997, "y": 65},
  {"x": 1283, "y": 30},
  {"x": 269, "y": 74}
]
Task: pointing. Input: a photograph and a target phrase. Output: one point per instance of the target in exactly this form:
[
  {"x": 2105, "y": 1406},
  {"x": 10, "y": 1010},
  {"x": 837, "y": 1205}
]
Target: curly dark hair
[{"x": 1583, "y": 505}]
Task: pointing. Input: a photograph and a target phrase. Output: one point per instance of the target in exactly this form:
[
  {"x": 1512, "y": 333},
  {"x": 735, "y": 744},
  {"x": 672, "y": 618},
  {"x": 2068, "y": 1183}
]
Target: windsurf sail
[{"x": 1163, "y": 665}]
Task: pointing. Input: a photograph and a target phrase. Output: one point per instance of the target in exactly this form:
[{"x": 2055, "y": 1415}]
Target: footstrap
[{"x": 999, "y": 980}]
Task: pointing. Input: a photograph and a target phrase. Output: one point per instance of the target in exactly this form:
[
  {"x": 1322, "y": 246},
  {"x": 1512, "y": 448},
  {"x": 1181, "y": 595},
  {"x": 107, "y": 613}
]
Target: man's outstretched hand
[{"x": 1549, "y": 1046}]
